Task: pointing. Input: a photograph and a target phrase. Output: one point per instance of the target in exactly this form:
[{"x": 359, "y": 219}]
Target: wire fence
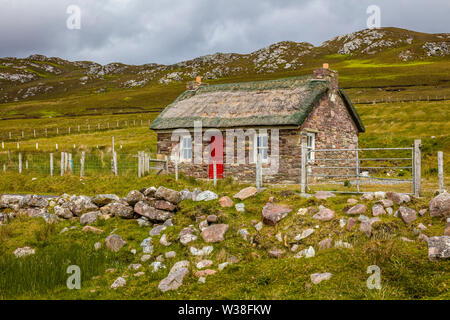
[{"x": 401, "y": 99}]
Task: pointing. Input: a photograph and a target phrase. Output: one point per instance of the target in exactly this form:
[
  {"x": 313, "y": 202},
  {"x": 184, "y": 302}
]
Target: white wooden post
[
  {"x": 46, "y": 132},
  {"x": 57, "y": 131},
  {"x": 3, "y": 145},
  {"x": 62, "y": 163},
  {"x": 70, "y": 163},
  {"x": 176, "y": 169},
  {"x": 20, "y": 162},
  {"x": 215, "y": 173},
  {"x": 51, "y": 164},
  {"x": 303, "y": 170},
  {"x": 26, "y": 164},
  {"x": 37, "y": 145},
  {"x": 56, "y": 146},
  {"x": 115, "y": 163},
  {"x": 139, "y": 164},
  {"x": 441, "y": 171},
  {"x": 113, "y": 145},
  {"x": 258, "y": 171},
  {"x": 417, "y": 167},
  {"x": 10, "y": 135},
  {"x": 23, "y": 135},
  {"x": 34, "y": 133},
  {"x": 82, "y": 164}
]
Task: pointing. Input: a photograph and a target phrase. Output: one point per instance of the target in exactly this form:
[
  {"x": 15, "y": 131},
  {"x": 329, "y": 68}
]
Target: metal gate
[{"x": 353, "y": 169}]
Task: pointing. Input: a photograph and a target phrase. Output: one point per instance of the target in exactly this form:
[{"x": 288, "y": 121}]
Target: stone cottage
[{"x": 254, "y": 118}]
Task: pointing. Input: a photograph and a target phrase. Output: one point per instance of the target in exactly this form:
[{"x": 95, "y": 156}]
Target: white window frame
[
  {"x": 185, "y": 147},
  {"x": 256, "y": 148},
  {"x": 311, "y": 144}
]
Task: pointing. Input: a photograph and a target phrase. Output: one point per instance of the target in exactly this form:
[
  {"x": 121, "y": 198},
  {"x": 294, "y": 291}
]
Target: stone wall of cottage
[{"x": 334, "y": 129}]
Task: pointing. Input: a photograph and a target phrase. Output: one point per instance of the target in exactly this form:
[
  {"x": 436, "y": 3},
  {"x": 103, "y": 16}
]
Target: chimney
[{"x": 329, "y": 75}]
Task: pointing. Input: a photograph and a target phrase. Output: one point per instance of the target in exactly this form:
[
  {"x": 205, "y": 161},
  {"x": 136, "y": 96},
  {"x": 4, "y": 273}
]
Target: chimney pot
[
  {"x": 325, "y": 65},
  {"x": 198, "y": 79}
]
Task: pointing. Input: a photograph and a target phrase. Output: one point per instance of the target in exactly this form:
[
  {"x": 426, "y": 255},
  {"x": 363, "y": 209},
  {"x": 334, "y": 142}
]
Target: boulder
[
  {"x": 422, "y": 212},
  {"x": 226, "y": 202},
  {"x": 146, "y": 246},
  {"x": 212, "y": 218},
  {"x": 201, "y": 252},
  {"x": 408, "y": 215},
  {"x": 206, "y": 196},
  {"x": 367, "y": 196},
  {"x": 380, "y": 195},
  {"x": 246, "y": 193},
  {"x": 170, "y": 255},
  {"x": 134, "y": 197},
  {"x": 168, "y": 195},
  {"x": 187, "y": 235},
  {"x": 157, "y": 229},
  {"x": 10, "y": 201},
  {"x": 63, "y": 212},
  {"x": 323, "y": 195},
  {"x": 88, "y": 218},
  {"x": 22, "y": 252},
  {"x": 114, "y": 242},
  {"x": 366, "y": 228},
  {"x": 326, "y": 244},
  {"x": 439, "y": 248},
  {"x": 103, "y": 199},
  {"x": 164, "y": 241},
  {"x": 386, "y": 203},
  {"x": 119, "y": 282},
  {"x": 317, "y": 278},
  {"x": 276, "y": 253},
  {"x": 398, "y": 198},
  {"x": 33, "y": 201},
  {"x": 440, "y": 205},
  {"x": 358, "y": 209},
  {"x": 165, "y": 205},
  {"x": 186, "y": 194},
  {"x": 118, "y": 209},
  {"x": 214, "y": 233},
  {"x": 145, "y": 209},
  {"x": 81, "y": 204},
  {"x": 378, "y": 210},
  {"x": 149, "y": 192},
  {"x": 307, "y": 253},
  {"x": 352, "y": 202},
  {"x": 324, "y": 214},
  {"x": 272, "y": 213}
]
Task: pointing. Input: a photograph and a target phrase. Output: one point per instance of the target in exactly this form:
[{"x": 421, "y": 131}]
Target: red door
[{"x": 216, "y": 154}]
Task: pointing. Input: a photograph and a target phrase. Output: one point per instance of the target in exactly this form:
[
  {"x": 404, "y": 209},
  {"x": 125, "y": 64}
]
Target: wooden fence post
[
  {"x": 51, "y": 164},
  {"x": 176, "y": 169},
  {"x": 303, "y": 160},
  {"x": 62, "y": 163},
  {"x": 70, "y": 163},
  {"x": 20, "y": 162},
  {"x": 139, "y": 164},
  {"x": 82, "y": 164},
  {"x": 258, "y": 171},
  {"x": 417, "y": 168},
  {"x": 215, "y": 173},
  {"x": 441, "y": 171},
  {"x": 115, "y": 163}
]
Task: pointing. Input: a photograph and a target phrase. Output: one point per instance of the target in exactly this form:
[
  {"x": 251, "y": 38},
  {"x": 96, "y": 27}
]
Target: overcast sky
[{"x": 169, "y": 31}]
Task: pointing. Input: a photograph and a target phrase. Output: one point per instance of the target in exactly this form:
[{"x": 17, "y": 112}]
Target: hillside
[{"x": 372, "y": 63}]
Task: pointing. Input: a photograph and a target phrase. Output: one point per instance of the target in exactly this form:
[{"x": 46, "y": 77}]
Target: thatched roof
[{"x": 261, "y": 103}]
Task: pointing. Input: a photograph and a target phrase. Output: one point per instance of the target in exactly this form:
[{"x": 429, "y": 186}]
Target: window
[
  {"x": 311, "y": 144},
  {"x": 262, "y": 147},
  {"x": 186, "y": 148}
]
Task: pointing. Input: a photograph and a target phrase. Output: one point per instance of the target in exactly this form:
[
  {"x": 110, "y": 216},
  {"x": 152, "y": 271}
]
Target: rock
[
  {"x": 317, "y": 278},
  {"x": 149, "y": 192},
  {"x": 324, "y": 214},
  {"x": 146, "y": 257},
  {"x": 352, "y": 202},
  {"x": 326, "y": 244},
  {"x": 421, "y": 226},
  {"x": 168, "y": 223},
  {"x": 276, "y": 253},
  {"x": 92, "y": 229},
  {"x": 408, "y": 215},
  {"x": 165, "y": 205},
  {"x": 201, "y": 252},
  {"x": 363, "y": 218},
  {"x": 307, "y": 253},
  {"x": 204, "y": 273},
  {"x": 342, "y": 244},
  {"x": 226, "y": 202},
  {"x": 302, "y": 211},
  {"x": 157, "y": 229},
  {"x": 324, "y": 195},
  {"x": 144, "y": 209},
  {"x": 389, "y": 211},
  {"x": 203, "y": 225},
  {"x": 187, "y": 235},
  {"x": 170, "y": 255},
  {"x": 244, "y": 234},
  {"x": 163, "y": 241},
  {"x": 378, "y": 210},
  {"x": 81, "y": 204},
  {"x": 202, "y": 280},
  {"x": 114, "y": 242},
  {"x": 223, "y": 266},
  {"x": 179, "y": 265},
  {"x": 146, "y": 246},
  {"x": 367, "y": 196},
  {"x": 168, "y": 195},
  {"x": 294, "y": 248},
  {"x": 22, "y": 252},
  {"x": 380, "y": 195},
  {"x": 447, "y": 229},
  {"x": 366, "y": 228},
  {"x": 104, "y": 199},
  {"x": 305, "y": 233},
  {"x": 88, "y": 218},
  {"x": 246, "y": 193},
  {"x": 422, "y": 237},
  {"x": 422, "y": 212},
  {"x": 240, "y": 207},
  {"x": 214, "y": 233},
  {"x": 204, "y": 264},
  {"x": 358, "y": 209},
  {"x": 272, "y": 213},
  {"x": 342, "y": 222},
  {"x": 398, "y": 198},
  {"x": 386, "y": 203},
  {"x": 118, "y": 209},
  {"x": 119, "y": 282},
  {"x": 33, "y": 201},
  {"x": 212, "y": 218},
  {"x": 186, "y": 194},
  {"x": 206, "y": 196},
  {"x": 259, "y": 226},
  {"x": 139, "y": 274},
  {"x": 406, "y": 239},
  {"x": 134, "y": 197},
  {"x": 135, "y": 266},
  {"x": 440, "y": 205},
  {"x": 439, "y": 248},
  {"x": 97, "y": 246},
  {"x": 174, "y": 280}
]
